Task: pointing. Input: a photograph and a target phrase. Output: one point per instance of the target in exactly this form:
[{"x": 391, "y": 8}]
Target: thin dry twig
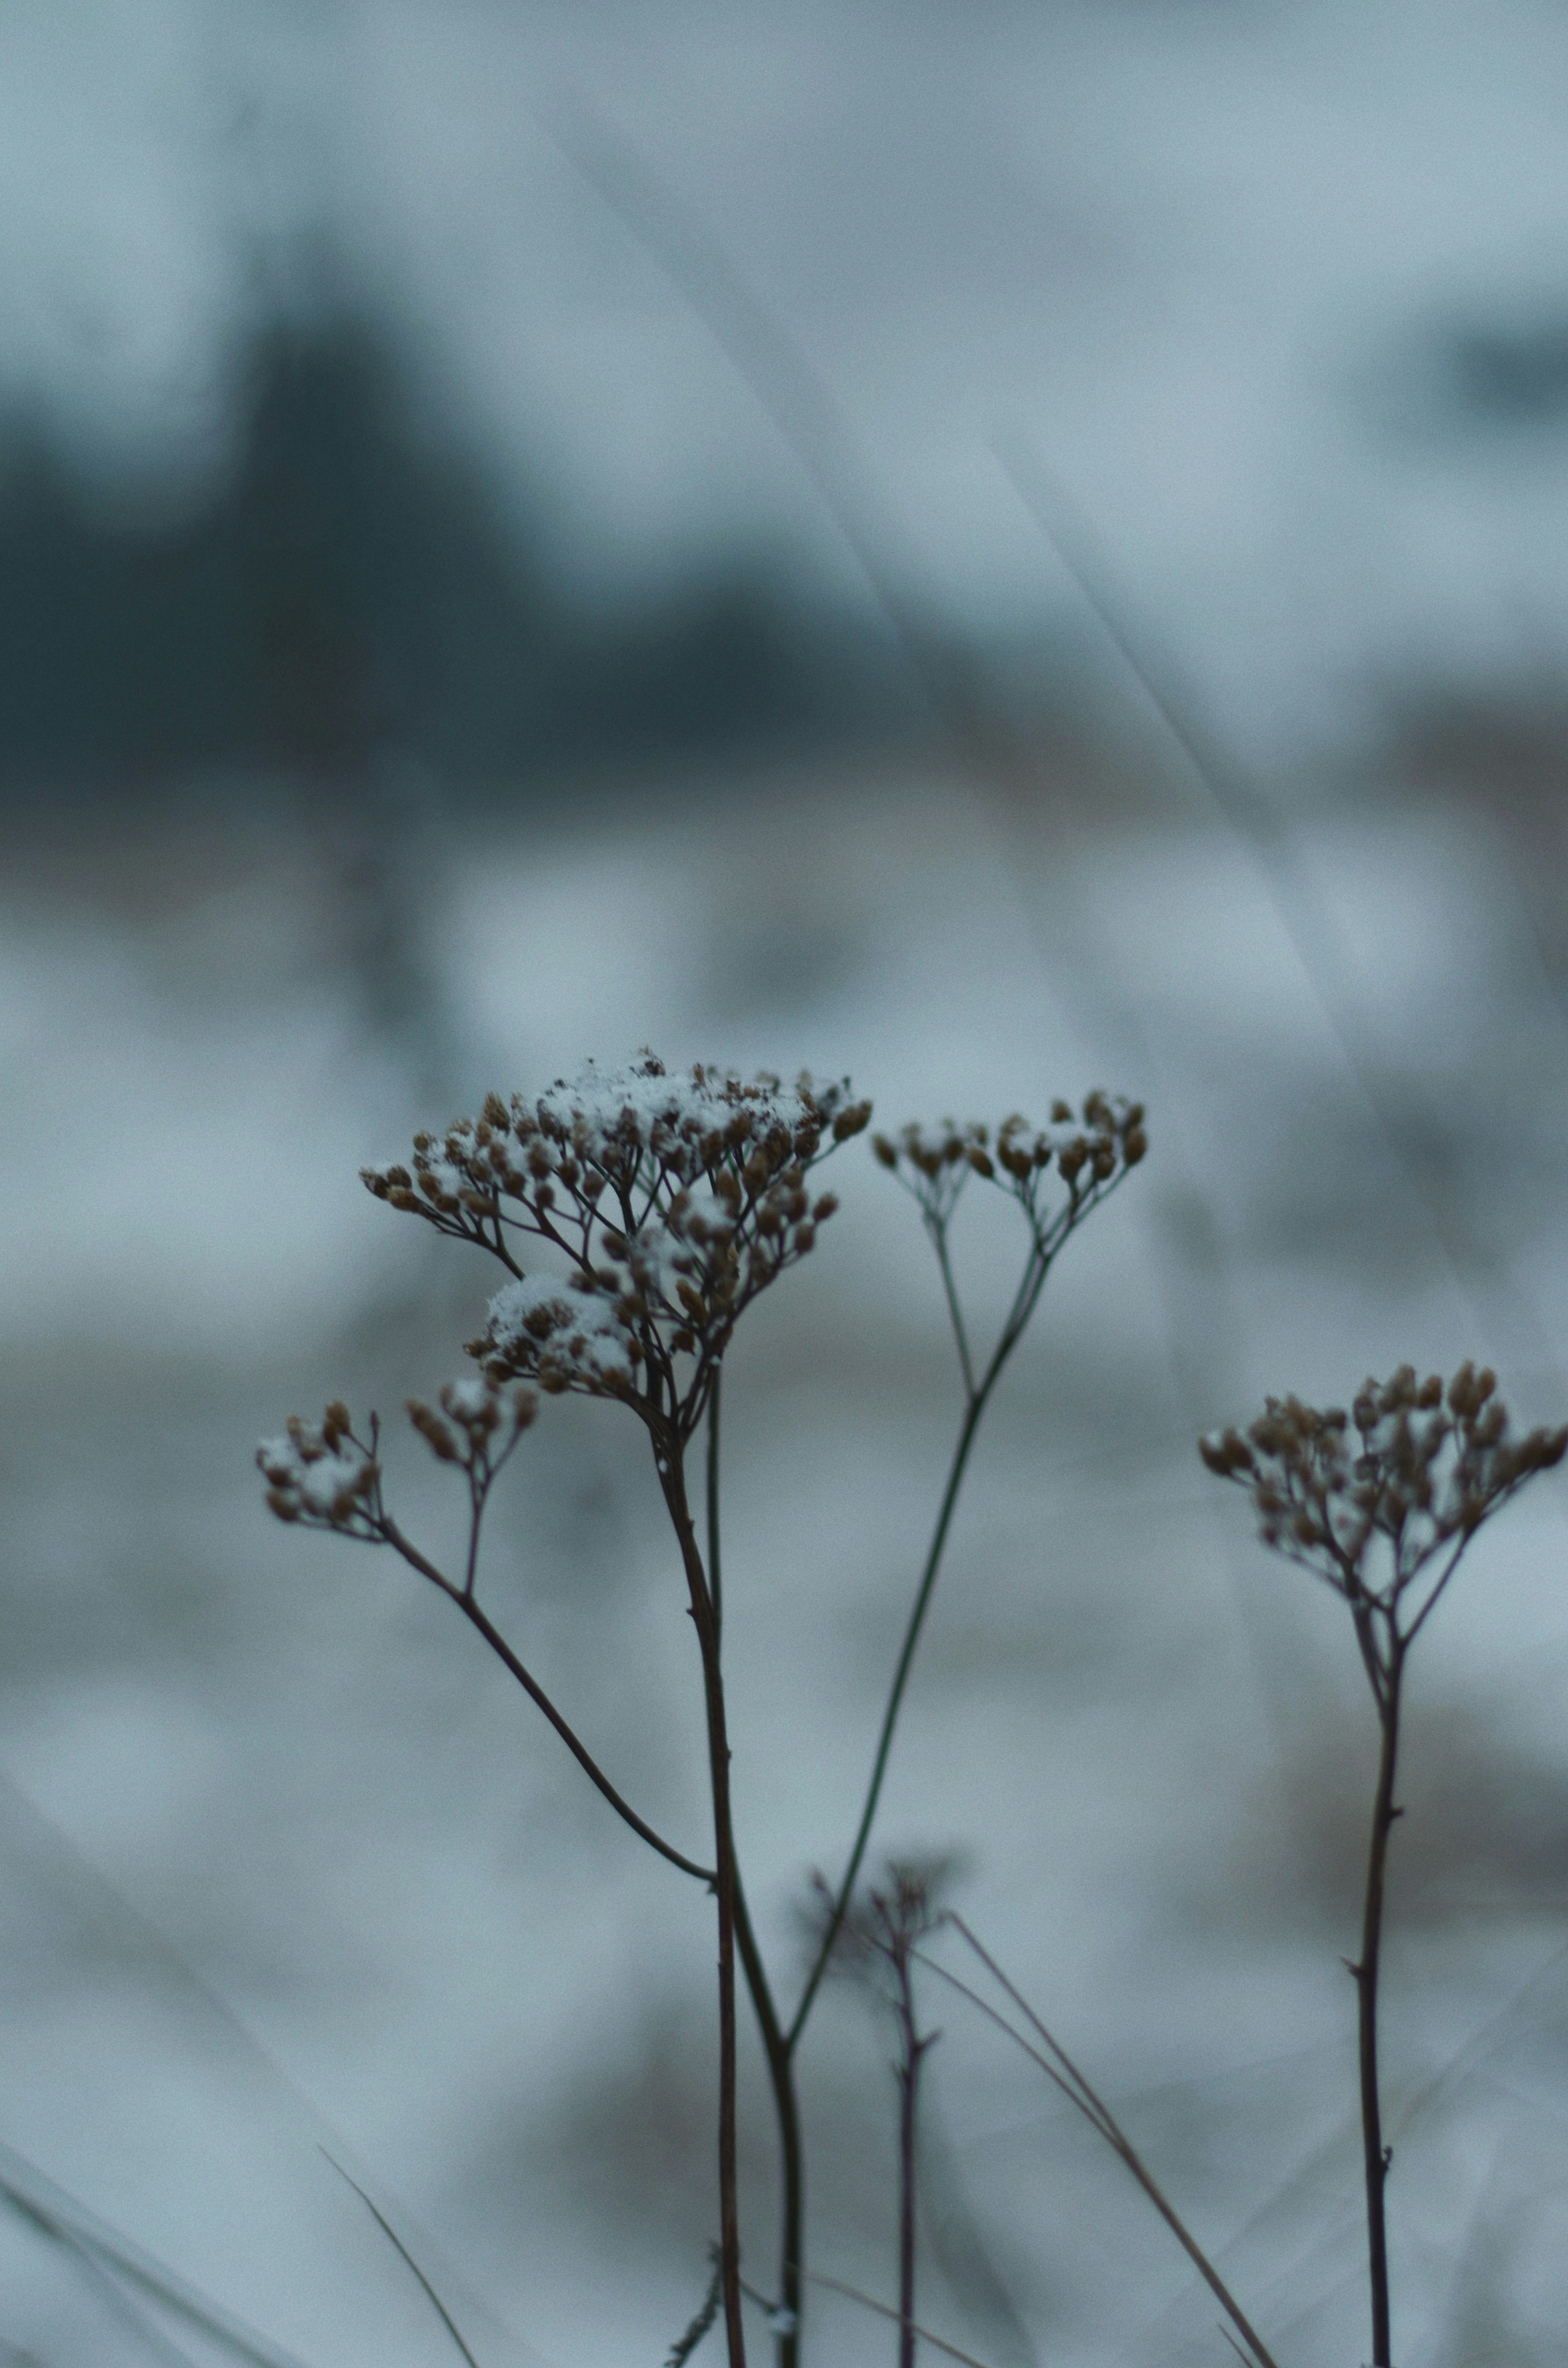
[
  {"x": 884, "y": 2310},
  {"x": 1059, "y": 2069}
]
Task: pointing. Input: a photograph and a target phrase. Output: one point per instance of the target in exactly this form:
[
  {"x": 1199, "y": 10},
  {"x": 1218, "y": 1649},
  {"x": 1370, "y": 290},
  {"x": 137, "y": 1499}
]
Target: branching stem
[{"x": 536, "y": 1693}]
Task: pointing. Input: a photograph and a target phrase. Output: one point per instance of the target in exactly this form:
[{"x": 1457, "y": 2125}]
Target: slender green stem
[
  {"x": 973, "y": 1410},
  {"x": 937, "y": 1228}
]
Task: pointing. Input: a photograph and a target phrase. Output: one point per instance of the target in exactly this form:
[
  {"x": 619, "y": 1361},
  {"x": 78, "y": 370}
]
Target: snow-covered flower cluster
[
  {"x": 475, "y": 1425},
  {"x": 1088, "y": 1153},
  {"x": 671, "y": 1201},
  {"x": 1411, "y": 1462},
  {"x": 320, "y": 1474}
]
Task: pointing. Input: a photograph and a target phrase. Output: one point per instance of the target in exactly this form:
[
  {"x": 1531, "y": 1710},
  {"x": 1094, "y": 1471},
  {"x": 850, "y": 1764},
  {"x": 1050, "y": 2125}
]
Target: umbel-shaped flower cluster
[
  {"x": 1056, "y": 1174},
  {"x": 1088, "y": 1155},
  {"x": 325, "y": 1475},
  {"x": 670, "y": 1201},
  {"x": 1411, "y": 1463}
]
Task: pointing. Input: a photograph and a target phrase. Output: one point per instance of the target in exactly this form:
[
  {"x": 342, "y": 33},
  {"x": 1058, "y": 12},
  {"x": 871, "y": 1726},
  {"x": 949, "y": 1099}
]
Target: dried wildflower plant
[
  {"x": 878, "y": 1941},
  {"x": 1055, "y": 1176},
  {"x": 1381, "y": 1504},
  {"x": 671, "y": 1201},
  {"x": 667, "y": 1203}
]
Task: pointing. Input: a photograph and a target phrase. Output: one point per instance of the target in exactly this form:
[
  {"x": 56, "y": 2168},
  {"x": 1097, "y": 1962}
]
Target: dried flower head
[
  {"x": 1412, "y": 1465},
  {"x": 478, "y": 1424},
  {"x": 885, "y": 1921},
  {"x": 1087, "y": 1153},
  {"x": 672, "y": 1200},
  {"x": 321, "y": 1474}
]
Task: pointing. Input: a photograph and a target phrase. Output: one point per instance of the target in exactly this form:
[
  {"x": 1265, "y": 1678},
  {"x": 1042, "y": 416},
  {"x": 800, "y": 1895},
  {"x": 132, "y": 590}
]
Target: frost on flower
[
  {"x": 320, "y": 1472},
  {"x": 671, "y": 1201},
  {"x": 565, "y": 1335}
]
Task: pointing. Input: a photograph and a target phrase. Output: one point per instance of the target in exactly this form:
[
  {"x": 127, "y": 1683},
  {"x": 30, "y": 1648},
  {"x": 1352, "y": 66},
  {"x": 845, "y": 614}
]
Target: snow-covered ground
[{"x": 287, "y": 1864}]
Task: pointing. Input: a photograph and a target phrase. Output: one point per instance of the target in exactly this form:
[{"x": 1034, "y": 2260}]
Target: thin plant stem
[
  {"x": 966, "y": 1429},
  {"x": 669, "y": 1460},
  {"x": 912, "y": 2050},
  {"x": 776, "y": 2046},
  {"x": 1059, "y": 2069},
  {"x": 939, "y": 1233},
  {"x": 1376, "y": 2156},
  {"x": 536, "y": 1693},
  {"x": 868, "y": 2301},
  {"x": 715, "y": 1583},
  {"x": 390, "y": 2233},
  {"x": 977, "y": 1396},
  {"x": 786, "y": 2113}
]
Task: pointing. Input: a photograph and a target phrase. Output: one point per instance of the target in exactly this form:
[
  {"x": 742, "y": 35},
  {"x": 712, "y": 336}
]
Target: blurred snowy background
[{"x": 425, "y": 663}]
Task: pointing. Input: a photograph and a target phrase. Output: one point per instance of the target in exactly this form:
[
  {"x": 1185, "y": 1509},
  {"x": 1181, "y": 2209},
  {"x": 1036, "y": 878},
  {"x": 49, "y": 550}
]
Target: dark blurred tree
[
  {"x": 351, "y": 585},
  {"x": 358, "y": 587}
]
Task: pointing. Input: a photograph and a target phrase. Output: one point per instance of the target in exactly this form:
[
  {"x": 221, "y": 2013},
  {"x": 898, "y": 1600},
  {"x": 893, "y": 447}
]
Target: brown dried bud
[
  {"x": 879, "y": 1144},
  {"x": 431, "y": 1429},
  {"x": 981, "y": 1161}
]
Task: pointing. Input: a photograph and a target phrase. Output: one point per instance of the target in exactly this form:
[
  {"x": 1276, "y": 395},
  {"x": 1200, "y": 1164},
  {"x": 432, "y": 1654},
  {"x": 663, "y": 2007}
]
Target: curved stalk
[{"x": 536, "y": 1693}]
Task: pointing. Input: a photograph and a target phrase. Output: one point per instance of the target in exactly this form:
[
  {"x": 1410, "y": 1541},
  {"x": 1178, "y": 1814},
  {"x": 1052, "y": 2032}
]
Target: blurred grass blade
[
  {"x": 384, "y": 2224},
  {"x": 30, "y": 2193}
]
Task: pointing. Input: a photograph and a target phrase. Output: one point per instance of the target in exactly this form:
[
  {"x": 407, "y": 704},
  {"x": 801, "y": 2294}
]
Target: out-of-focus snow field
[{"x": 287, "y": 1862}]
